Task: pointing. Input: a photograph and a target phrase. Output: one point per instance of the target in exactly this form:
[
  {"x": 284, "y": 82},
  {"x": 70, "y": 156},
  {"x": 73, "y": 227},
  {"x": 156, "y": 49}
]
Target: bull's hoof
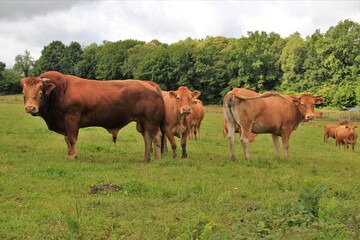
[
  {"x": 184, "y": 155},
  {"x": 69, "y": 157}
]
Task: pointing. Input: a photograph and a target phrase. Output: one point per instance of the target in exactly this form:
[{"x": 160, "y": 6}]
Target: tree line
[{"x": 326, "y": 64}]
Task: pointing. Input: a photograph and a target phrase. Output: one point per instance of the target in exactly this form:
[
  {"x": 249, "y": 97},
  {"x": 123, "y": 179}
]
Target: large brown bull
[
  {"x": 267, "y": 113},
  {"x": 177, "y": 111},
  {"x": 68, "y": 103}
]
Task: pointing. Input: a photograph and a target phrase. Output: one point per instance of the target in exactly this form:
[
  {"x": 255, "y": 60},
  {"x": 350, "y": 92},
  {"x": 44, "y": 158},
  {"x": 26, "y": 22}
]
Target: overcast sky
[{"x": 33, "y": 24}]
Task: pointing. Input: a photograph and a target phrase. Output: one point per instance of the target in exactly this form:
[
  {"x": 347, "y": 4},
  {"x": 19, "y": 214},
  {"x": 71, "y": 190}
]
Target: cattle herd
[
  {"x": 68, "y": 103},
  {"x": 344, "y": 134}
]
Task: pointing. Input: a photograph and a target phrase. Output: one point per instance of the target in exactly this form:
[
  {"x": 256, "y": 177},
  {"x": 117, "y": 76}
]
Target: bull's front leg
[
  {"x": 71, "y": 146},
  {"x": 72, "y": 131},
  {"x": 184, "y": 138},
  {"x": 275, "y": 139}
]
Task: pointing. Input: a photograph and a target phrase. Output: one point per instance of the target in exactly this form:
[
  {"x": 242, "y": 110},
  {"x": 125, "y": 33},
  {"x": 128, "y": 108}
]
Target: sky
[{"x": 33, "y": 24}]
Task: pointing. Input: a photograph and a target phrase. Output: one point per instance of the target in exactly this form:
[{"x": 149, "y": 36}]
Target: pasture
[{"x": 312, "y": 195}]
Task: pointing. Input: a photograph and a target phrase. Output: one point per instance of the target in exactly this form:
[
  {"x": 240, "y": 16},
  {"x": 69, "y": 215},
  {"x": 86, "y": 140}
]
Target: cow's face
[
  {"x": 306, "y": 103},
  {"x": 34, "y": 89},
  {"x": 351, "y": 128},
  {"x": 184, "y": 97}
]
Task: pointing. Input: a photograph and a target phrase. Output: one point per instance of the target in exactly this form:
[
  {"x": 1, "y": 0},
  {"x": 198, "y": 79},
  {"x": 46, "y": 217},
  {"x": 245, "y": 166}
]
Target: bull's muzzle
[
  {"x": 310, "y": 117},
  {"x": 31, "y": 109},
  {"x": 186, "y": 110}
]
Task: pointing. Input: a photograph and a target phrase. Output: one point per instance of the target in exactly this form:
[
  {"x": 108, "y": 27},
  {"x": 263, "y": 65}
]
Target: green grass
[{"x": 312, "y": 195}]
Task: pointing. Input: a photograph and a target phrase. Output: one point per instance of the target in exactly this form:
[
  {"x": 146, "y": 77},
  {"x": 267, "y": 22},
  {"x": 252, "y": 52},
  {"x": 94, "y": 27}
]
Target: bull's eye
[{"x": 40, "y": 94}]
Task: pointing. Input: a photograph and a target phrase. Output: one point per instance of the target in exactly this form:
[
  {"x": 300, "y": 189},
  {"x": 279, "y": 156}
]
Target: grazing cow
[
  {"x": 269, "y": 112},
  {"x": 197, "y": 117},
  {"x": 343, "y": 121},
  {"x": 329, "y": 131},
  {"x": 346, "y": 135},
  {"x": 68, "y": 103},
  {"x": 178, "y": 107}
]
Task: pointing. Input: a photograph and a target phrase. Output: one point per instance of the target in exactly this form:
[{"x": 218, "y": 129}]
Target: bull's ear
[
  {"x": 195, "y": 94},
  {"x": 318, "y": 99},
  {"x": 295, "y": 99},
  {"x": 48, "y": 86},
  {"x": 172, "y": 94}
]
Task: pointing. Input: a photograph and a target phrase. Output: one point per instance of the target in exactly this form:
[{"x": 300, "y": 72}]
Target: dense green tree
[
  {"x": 292, "y": 60},
  {"x": 86, "y": 66},
  {"x": 155, "y": 67},
  {"x": 70, "y": 58},
  {"x": 24, "y": 63},
  {"x": 182, "y": 60},
  {"x": 137, "y": 54},
  {"x": 111, "y": 57},
  {"x": 9, "y": 82},
  {"x": 50, "y": 59},
  {"x": 2, "y": 68}
]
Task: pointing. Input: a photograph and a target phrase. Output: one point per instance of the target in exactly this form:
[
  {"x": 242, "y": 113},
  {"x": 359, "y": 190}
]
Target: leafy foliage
[{"x": 327, "y": 64}]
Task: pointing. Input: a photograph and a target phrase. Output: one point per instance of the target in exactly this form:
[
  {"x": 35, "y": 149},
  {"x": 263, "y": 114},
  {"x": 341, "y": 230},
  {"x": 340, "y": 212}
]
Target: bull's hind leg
[
  {"x": 231, "y": 135},
  {"x": 245, "y": 138},
  {"x": 155, "y": 135}
]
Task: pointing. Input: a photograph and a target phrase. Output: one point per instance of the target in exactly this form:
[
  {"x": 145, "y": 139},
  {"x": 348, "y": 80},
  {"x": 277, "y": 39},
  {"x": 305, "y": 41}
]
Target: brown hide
[
  {"x": 343, "y": 121},
  {"x": 197, "y": 117},
  {"x": 346, "y": 135},
  {"x": 237, "y": 130},
  {"x": 230, "y": 125},
  {"x": 269, "y": 112},
  {"x": 177, "y": 121},
  {"x": 329, "y": 131},
  {"x": 68, "y": 103}
]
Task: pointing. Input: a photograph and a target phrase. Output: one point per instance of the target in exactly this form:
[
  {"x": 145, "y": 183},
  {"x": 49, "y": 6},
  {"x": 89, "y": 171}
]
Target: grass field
[{"x": 312, "y": 195}]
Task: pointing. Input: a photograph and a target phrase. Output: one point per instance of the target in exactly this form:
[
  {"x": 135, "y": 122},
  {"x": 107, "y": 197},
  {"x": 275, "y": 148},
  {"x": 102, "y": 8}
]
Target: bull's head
[
  {"x": 184, "y": 97},
  {"x": 34, "y": 89},
  {"x": 306, "y": 103}
]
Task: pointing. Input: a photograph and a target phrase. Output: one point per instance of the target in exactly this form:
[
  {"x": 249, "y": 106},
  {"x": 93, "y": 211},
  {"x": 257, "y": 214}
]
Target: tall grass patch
[{"x": 312, "y": 195}]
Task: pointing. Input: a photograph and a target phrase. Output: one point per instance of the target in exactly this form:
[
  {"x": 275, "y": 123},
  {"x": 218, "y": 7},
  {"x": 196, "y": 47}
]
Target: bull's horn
[{"x": 45, "y": 79}]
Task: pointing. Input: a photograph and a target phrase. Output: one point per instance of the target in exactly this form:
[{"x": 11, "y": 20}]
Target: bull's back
[
  {"x": 269, "y": 115},
  {"x": 113, "y": 103}
]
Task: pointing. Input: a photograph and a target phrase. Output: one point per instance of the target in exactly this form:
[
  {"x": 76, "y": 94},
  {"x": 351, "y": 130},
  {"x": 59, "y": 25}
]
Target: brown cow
[
  {"x": 177, "y": 111},
  {"x": 68, "y": 103},
  {"x": 197, "y": 117},
  {"x": 346, "y": 135},
  {"x": 329, "y": 131},
  {"x": 267, "y": 113},
  {"x": 233, "y": 126}
]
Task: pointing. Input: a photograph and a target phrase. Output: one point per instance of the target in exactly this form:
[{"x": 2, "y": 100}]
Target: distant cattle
[
  {"x": 318, "y": 114},
  {"x": 269, "y": 112},
  {"x": 329, "y": 131},
  {"x": 346, "y": 135},
  {"x": 343, "y": 121},
  {"x": 197, "y": 117},
  {"x": 68, "y": 103},
  {"x": 178, "y": 107}
]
